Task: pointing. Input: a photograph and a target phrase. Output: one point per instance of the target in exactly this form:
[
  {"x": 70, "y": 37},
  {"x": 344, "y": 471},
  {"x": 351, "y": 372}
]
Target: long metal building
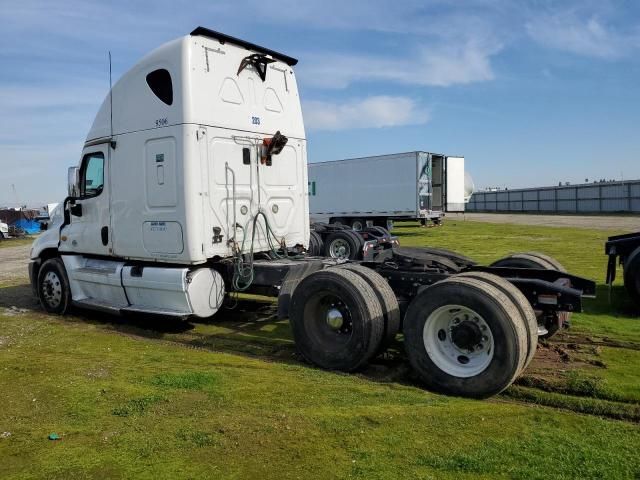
[{"x": 601, "y": 197}]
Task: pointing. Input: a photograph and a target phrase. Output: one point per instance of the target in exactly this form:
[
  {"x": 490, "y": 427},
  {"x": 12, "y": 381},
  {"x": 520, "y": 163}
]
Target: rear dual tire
[
  {"x": 521, "y": 303},
  {"x": 543, "y": 262},
  {"x": 530, "y": 260},
  {"x": 336, "y": 319},
  {"x": 358, "y": 224},
  {"x": 464, "y": 336},
  {"x": 316, "y": 245},
  {"x": 386, "y": 298},
  {"x": 343, "y": 244}
]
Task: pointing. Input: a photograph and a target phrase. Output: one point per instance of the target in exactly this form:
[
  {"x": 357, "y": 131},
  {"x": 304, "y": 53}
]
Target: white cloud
[
  {"x": 370, "y": 112},
  {"x": 588, "y": 37},
  {"x": 441, "y": 66},
  {"x": 437, "y": 43},
  {"x": 427, "y": 18}
]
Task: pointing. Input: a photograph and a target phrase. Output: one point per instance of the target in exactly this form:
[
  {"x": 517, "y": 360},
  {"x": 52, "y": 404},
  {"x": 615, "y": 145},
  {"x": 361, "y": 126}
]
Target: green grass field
[{"x": 229, "y": 398}]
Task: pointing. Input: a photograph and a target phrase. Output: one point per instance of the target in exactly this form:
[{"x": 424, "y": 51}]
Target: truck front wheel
[
  {"x": 465, "y": 337},
  {"x": 54, "y": 292}
]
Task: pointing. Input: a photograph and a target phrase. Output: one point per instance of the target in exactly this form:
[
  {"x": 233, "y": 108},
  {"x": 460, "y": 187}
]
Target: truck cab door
[
  {"x": 89, "y": 230},
  {"x": 454, "y": 184}
]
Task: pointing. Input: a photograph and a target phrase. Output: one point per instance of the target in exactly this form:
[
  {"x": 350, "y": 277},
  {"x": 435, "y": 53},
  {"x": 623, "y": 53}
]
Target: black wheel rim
[{"x": 328, "y": 321}]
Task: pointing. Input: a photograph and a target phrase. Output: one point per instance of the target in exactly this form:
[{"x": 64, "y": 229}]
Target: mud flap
[{"x": 294, "y": 276}]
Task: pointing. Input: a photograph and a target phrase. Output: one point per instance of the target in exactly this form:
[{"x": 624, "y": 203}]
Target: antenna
[{"x": 110, "y": 98}]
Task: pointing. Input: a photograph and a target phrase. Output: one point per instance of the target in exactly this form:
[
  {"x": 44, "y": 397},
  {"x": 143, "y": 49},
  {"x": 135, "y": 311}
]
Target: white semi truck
[
  {"x": 380, "y": 189},
  {"x": 192, "y": 184}
]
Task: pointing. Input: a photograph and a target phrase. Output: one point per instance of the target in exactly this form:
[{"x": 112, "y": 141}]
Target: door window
[{"x": 92, "y": 175}]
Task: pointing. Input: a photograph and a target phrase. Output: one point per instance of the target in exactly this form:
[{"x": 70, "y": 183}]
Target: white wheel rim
[
  {"x": 52, "y": 289},
  {"x": 450, "y": 321}
]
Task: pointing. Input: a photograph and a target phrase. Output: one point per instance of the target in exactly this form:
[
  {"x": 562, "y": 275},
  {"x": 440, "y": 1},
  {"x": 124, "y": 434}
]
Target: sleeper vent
[{"x": 159, "y": 82}]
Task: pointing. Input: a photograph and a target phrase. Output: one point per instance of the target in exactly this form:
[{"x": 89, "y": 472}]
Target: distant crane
[{"x": 15, "y": 195}]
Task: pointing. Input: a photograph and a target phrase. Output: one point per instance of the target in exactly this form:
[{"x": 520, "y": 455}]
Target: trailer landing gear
[
  {"x": 626, "y": 250},
  {"x": 632, "y": 275}
]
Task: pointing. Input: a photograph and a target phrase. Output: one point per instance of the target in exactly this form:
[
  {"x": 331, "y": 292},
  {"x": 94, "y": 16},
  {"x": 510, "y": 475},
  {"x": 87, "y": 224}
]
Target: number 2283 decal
[
  {"x": 162, "y": 122},
  {"x": 255, "y": 120}
]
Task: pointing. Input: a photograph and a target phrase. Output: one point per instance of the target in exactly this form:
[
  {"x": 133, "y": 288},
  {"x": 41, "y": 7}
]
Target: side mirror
[{"x": 73, "y": 181}]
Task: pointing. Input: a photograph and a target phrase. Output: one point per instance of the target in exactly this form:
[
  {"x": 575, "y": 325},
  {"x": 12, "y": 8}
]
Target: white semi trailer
[
  {"x": 377, "y": 190},
  {"x": 187, "y": 190}
]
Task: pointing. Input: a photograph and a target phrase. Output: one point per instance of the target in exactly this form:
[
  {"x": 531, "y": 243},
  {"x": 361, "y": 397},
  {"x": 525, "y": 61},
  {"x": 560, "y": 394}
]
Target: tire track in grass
[
  {"x": 579, "y": 339},
  {"x": 567, "y": 373},
  {"x": 585, "y": 405}
]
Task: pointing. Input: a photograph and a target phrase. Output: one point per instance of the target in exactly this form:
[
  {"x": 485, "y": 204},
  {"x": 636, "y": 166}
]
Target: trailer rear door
[{"x": 454, "y": 193}]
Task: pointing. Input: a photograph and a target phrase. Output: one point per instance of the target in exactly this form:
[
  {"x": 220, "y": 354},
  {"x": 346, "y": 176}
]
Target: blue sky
[{"x": 530, "y": 92}]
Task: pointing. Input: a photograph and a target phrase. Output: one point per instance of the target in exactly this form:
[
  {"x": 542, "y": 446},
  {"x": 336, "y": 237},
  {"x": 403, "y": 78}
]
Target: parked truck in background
[
  {"x": 380, "y": 189},
  {"x": 4, "y": 230},
  {"x": 192, "y": 185}
]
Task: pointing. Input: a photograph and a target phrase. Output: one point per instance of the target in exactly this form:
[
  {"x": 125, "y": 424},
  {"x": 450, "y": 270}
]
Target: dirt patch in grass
[
  {"x": 570, "y": 373},
  {"x": 14, "y": 259},
  {"x": 604, "y": 341}
]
